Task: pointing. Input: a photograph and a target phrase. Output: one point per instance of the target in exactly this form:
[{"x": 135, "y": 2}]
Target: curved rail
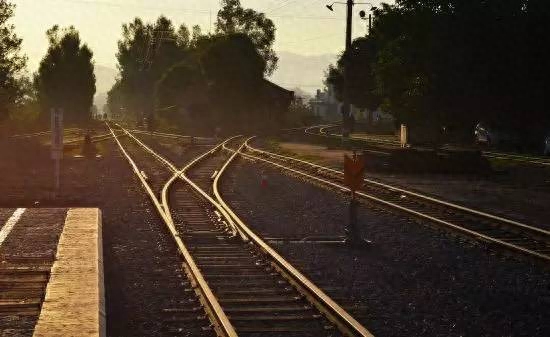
[
  {"x": 488, "y": 154},
  {"x": 459, "y": 228},
  {"x": 411, "y": 193},
  {"x": 221, "y": 323},
  {"x": 343, "y": 320},
  {"x": 181, "y": 174},
  {"x": 323, "y": 302}
]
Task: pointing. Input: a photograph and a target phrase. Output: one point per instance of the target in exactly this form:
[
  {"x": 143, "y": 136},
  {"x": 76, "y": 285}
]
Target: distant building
[
  {"x": 276, "y": 100},
  {"x": 326, "y": 106}
]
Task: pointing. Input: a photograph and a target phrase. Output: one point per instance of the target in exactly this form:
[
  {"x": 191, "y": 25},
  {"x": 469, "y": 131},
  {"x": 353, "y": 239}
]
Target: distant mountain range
[
  {"x": 303, "y": 72},
  {"x": 306, "y": 72},
  {"x": 105, "y": 78}
]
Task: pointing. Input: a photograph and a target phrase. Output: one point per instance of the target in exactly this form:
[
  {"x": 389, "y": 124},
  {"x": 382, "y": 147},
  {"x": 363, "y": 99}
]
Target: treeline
[
  {"x": 453, "y": 63},
  {"x": 65, "y": 79},
  {"x": 13, "y": 83},
  {"x": 195, "y": 81},
  {"x": 178, "y": 76}
]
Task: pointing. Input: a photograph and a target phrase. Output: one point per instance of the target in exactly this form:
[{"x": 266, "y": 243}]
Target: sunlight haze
[{"x": 304, "y": 28}]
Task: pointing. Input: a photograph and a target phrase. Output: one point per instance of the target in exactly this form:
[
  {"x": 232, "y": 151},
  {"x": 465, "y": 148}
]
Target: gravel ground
[
  {"x": 176, "y": 151},
  {"x": 414, "y": 280},
  {"x": 26, "y": 256},
  {"x": 523, "y": 189},
  {"x": 144, "y": 281},
  {"x": 5, "y": 214}
]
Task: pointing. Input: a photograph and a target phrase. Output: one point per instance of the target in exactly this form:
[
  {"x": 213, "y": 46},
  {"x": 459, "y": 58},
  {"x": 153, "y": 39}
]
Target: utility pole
[
  {"x": 349, "y": 21},
  {"x": 346, "y": 108}
]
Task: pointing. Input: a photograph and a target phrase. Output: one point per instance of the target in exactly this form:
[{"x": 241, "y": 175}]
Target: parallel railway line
[
  {"x": 497, "y": 230},
  {"x": 25, "y": 271},
  {"x": 323, "y": 131},
  {"x": 246, "y": 288},
  {"x": 42, "y": 133}
]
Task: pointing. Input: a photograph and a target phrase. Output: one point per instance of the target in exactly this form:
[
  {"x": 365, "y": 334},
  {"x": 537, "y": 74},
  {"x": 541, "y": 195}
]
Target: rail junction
[
  {"x": 238, "y": 284},
  {"x": 246, "y": 287}
]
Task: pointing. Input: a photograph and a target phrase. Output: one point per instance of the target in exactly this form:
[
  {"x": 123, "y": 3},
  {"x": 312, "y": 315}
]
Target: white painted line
[{"x": 8, "y": 226}]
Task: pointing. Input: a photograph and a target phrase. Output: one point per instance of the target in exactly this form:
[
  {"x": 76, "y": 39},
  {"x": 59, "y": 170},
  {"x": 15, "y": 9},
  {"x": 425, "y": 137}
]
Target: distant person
[{"x": 88, "y": 148}]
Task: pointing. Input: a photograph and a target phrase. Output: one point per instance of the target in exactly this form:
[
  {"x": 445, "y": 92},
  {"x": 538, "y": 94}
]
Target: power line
[
  {"x": 310, "y": 39},
  {"x": 119, "y": 5},
  {"x": 284, "y": 4},
  {"x": 203, "y": 12}
]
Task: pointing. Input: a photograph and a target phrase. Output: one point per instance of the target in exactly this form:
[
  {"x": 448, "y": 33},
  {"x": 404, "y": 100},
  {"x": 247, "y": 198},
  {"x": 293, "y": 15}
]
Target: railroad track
[
  {"x": 246, "y": 287},
  {"x": 43, "y": 133},
  {"x": 502, "y": 232},
  {"x": 75, "y": 137},
  {"x": 27, "y": 252},
  {"x": 516, "y": 157},
  {"x": 323, "y": 131},
  {"x": 80, "y": 140},
  {"x": 191, "y": 140}
]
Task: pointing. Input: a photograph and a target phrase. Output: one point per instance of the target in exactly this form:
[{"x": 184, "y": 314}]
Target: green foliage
[
  {"x": 65, "y": 77},
  {"x": 235, "y": 70},
  {"x": 181, "y": 96},
  {"x": 145, "y": 53},
  {"x": 12, "y": 63},
  {"x": 219, "y": 85},
  {"x": 455, "y": 62},
  {"x": 233, "y": 19},
  {"x": 189, "y": 78},
  {"x": 300, "y": 114},
  {"x": 356, "y": 67}
]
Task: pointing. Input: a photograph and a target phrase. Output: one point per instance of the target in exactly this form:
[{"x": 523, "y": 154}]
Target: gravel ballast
[
  {"x": 145, "y": 286},
  {"x": 415, "y": 280},
  {"x": 523, "y": 189}
]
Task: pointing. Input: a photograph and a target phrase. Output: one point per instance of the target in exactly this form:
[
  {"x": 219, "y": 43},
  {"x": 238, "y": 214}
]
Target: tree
[
  {"x": 12, "y": 63},
  {"x": 300, "y": 114},
  {"x": 145, "y": 53},
  {"x": 360, "y": 75},
  {"x": 182, "y": 97},
  {"x": 234, "y": 69},
  {"x": 65, "y": 77},
  {"x": 233, "y": 18},
  {"x": 453, "y": 63}
]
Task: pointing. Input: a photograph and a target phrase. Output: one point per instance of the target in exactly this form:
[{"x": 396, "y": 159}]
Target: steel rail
[
  {"x": 325, "y": 133},
  {"x": 221, "y": 323},
  {"x": 343, "y": 320},
  {"x": 488, "y": 154},
  {"x": 411, "y": 193},
  {"x": 515, "y": 157},
  {"x": 459, "y": 228},
  {"x": 94, "y": 139},
  {"x": 42, "y": 133},
  {"x": 335, "y": 313},
  {"x": 166, "y": 135},
  {"x": 308, "y": 129},
  {"x": 180, "y": 174}
]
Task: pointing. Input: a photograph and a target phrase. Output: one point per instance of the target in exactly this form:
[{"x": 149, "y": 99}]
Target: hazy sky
[{"x": 303, "y": 26}]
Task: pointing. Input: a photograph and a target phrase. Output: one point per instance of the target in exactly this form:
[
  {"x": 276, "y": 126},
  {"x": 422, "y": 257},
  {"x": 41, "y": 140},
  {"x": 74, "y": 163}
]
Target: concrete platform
[
  {"x": 51, "y": 272},
  {"x": 75, "y": 300}
]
